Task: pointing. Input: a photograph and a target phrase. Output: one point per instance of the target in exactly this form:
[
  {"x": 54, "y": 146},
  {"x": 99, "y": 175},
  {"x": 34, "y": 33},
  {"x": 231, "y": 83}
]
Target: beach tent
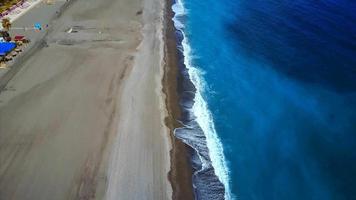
[{"x": 6, "y": 47}]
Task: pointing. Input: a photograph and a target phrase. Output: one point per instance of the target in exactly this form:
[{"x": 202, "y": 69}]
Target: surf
[{"x": 208, "y": 147}]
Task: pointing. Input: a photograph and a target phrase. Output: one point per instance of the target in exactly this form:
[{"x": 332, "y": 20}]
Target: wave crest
[{"x": 210, "y": 178}]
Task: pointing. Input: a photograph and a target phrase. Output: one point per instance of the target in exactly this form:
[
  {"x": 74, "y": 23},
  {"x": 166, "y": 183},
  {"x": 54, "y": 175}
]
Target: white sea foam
[{"x": 200, "y": 108}]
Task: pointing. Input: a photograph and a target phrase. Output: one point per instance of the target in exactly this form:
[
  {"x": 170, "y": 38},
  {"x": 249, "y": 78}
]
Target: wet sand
[
  {"x": 180, "y": 174},
  {"x": 83, "y": 118}
]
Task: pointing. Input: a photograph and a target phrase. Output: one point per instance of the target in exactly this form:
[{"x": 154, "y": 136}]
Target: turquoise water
[{"x": 275, "y": 97}]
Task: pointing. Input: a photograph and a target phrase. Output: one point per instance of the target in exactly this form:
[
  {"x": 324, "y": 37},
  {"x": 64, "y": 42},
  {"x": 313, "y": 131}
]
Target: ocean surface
[{"x": 268, "y": 90}]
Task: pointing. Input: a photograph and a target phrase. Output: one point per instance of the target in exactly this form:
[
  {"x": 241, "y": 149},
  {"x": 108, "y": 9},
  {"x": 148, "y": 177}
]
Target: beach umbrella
[
  {"x": 38, "y": 26},
  {"x": 6, "y": 24}
]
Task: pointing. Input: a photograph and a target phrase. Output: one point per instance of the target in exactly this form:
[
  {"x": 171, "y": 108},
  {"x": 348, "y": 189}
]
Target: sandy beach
[{"x": 83, "y": 116}]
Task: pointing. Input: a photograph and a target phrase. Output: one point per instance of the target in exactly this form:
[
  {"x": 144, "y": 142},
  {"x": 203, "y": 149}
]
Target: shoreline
[
  {"x": 180, "y": 174},
  {"x": 197, "y": 128}
]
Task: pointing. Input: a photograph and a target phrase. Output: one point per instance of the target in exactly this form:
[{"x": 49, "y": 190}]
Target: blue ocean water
[{"x": 275, "y": 95}]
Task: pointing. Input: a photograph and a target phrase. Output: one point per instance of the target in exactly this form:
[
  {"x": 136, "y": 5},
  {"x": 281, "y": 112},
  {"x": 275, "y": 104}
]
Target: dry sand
[{"x": 83, "y": 118}]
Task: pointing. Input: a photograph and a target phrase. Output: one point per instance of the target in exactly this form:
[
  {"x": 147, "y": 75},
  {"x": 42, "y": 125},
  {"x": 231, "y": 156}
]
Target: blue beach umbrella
[
  {"x": 6, "y": 47},
  {"x": 38, "y": 26}
]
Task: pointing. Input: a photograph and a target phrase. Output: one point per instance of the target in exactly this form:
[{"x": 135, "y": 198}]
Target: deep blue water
[{"x": 280, "y": 83}]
